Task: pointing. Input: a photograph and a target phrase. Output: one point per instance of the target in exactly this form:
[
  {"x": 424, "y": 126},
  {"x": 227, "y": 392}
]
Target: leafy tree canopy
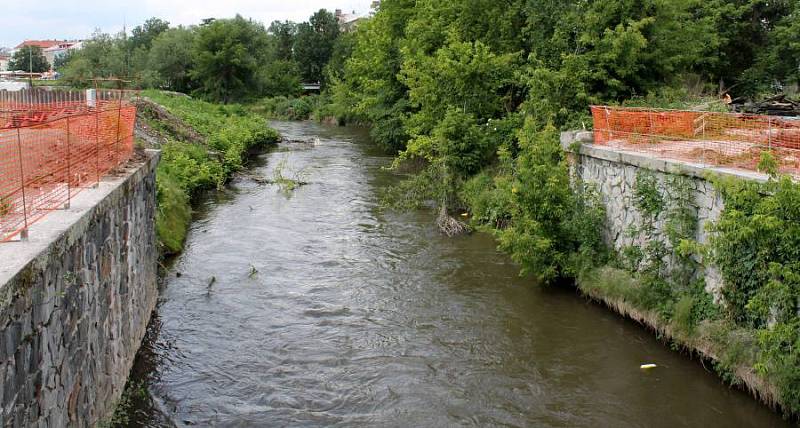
[
  {"x": 171, "y": 59},
  {"x": 142, "y": 36},
  {"x": 228, "y": 54},
  {"x": 314, "y": 46},
  {"x": 29, "y": 58},
  {"x": 284, "y": 35}
]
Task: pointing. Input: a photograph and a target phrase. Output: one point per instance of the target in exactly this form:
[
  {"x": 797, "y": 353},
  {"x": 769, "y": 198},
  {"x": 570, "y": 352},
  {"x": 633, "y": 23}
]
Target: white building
[
  {"x": 60, "y": 50},
  {"x": 349, "y": 21},
  {"x": 51, "y": 49}
]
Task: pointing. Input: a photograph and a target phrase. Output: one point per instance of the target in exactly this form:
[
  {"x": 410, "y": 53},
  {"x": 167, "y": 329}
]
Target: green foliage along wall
[{"x": 757, "y": 249}]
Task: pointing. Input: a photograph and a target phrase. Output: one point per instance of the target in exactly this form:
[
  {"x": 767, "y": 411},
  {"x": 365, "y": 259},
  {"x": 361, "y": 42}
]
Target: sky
[{"x": 78, "y": 19}]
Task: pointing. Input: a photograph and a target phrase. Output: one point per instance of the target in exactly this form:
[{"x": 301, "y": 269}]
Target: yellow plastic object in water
[{"x": 647, "y": 366}]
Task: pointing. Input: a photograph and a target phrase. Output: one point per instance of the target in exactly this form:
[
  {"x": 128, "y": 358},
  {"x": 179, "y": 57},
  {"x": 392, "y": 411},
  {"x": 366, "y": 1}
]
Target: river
[{"x": 316, "y": 308}]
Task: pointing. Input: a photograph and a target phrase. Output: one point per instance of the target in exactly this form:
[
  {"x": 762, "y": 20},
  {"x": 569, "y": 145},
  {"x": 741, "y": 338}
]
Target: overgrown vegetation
[
  {"x": 285, "y": 180},
  {"x": 224, "y": 60},
  {"x": 226, "y": 134},
  {"x": 757, "y": 249},
  {"x": 661, "y": 262},
  {"x": 123, "y": 407},
  {"x": 288, "y": 108},
  {"x": 471, "y": 96}
]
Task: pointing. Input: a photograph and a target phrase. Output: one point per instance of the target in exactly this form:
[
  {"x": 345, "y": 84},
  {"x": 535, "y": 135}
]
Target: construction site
[{"x": 53, "y": 144}]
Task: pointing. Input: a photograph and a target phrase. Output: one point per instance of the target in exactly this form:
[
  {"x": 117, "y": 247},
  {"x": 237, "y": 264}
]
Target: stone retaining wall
[
  {"x": 75, "y": 301},
  {"x": 614, "y": 173}
]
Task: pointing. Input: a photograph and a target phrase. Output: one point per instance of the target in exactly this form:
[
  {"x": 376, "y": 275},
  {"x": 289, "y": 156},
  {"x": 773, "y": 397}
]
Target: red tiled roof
[{"x": 44, "y": 44}]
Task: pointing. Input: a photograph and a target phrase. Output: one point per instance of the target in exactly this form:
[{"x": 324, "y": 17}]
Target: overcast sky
[{"x": 77, "y": 19}]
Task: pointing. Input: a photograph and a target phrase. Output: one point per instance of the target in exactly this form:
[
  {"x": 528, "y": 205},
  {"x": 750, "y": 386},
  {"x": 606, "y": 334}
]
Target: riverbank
[
  {"x": 75, "y": 300},
  {"x": 702, "y": 255},
  {"x": 665, "y": 274},
  {"x": 203, "y": 144},
  {"x": 357, "y": 314},
  {"x": 319, "y": 108},
  {"x": 707, "y": 345},
  {"x": 683, "y": 316}
]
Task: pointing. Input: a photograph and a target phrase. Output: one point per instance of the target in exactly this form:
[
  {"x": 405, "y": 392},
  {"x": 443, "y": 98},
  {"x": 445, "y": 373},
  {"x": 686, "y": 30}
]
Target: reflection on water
[{"x": 315, "y": 308}]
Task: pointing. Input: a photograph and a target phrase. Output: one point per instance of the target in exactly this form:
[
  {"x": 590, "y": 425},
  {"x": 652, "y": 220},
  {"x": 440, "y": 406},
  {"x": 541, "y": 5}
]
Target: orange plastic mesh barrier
[
  {"x": 709, "y": 138},
  {"x": 51, "y": 151}
]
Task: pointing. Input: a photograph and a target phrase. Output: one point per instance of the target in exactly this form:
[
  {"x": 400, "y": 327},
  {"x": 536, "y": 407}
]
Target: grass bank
[
  {"x": 731, "y": 350},
  {"x": 320, "y": 108},
  {"x": 202, "y": 145}
]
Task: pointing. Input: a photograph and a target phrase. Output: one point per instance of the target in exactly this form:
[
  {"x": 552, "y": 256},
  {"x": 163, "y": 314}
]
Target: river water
[{"x": 316, "y": 308}]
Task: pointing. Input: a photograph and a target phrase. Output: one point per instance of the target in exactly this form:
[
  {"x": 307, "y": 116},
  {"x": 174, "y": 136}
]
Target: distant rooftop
[
  {"x": 348, "y": 20},
  {"x": 63, "y": 45},
  {"x": 44, "y": 44}
]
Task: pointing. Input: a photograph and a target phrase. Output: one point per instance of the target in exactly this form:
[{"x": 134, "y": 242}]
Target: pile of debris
[{"x": 777, "y": 105}]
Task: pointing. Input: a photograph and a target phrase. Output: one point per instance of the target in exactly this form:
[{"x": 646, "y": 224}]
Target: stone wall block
[
  {"x": 614, "y": 174},
  {"x": 73, "y": 316}
]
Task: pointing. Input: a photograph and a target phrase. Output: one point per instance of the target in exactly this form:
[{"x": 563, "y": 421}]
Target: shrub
[
  {"x": 174, "y": 213},
  {"x": 756, "y": 245},
  {"x": 230, "y": 131},
  {"x": 284, "y": 108}
]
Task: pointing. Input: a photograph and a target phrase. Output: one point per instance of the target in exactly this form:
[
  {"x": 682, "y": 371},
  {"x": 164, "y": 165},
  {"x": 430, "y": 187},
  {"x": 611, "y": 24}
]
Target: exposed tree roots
[{"x": 449, "y": 225}]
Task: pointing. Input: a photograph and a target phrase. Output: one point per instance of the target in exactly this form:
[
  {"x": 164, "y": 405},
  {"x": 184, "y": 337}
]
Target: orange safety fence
[
  {"x": 709, "y": 138},
  {"x": 50, "y": 152}
]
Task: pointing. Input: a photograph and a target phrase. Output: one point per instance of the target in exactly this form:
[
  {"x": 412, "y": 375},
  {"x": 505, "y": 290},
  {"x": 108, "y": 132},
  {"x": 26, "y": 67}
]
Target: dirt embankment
[{"x": 155, "y": 124}]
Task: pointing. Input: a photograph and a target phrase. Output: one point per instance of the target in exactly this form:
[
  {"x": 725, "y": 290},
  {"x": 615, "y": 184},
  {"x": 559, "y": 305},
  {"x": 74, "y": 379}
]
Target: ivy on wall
[
  {"x": 663, "y": 255},
  {"x": 756, "y": 246}
]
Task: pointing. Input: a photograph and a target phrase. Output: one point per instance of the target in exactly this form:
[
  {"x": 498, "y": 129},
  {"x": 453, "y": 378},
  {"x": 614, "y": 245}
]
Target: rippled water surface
[{"x": 315, "y": 308}]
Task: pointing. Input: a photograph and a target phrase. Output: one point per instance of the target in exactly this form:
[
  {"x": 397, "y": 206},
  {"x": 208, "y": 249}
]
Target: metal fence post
[
  {"x": 769, "y": 134},
  {"x": 69, "y": 169},
  {"x": 119, "y": 119},
  {"x": 705, "y": 142},
  {"x": 23, "y": 235},
  {"x": 97, "y": 144}
]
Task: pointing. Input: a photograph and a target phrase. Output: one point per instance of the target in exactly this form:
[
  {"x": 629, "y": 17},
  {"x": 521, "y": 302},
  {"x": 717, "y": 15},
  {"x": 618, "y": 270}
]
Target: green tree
[
  {"x": 370, "y": 89},
  {"x": 284, "y": 35},
  {"x": 342, "y": 51},
  {"x": 741, "y": 29},
  {"x": 102, "y": 56},
  {"x": 29, "y": 58},
  {"x": 171, "y": 57},
  {"x": 780, "y": 61},
  {"x": 60, "y": 61},
  {"x": 228, "y": 55},
  {"x": 280, "y": 78},
  {"x": 498, "y": 24},
  {"x": 548, "y": 226},
  {"x": 314, "y": 45},
  {"x": 142, "y": 36}
]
